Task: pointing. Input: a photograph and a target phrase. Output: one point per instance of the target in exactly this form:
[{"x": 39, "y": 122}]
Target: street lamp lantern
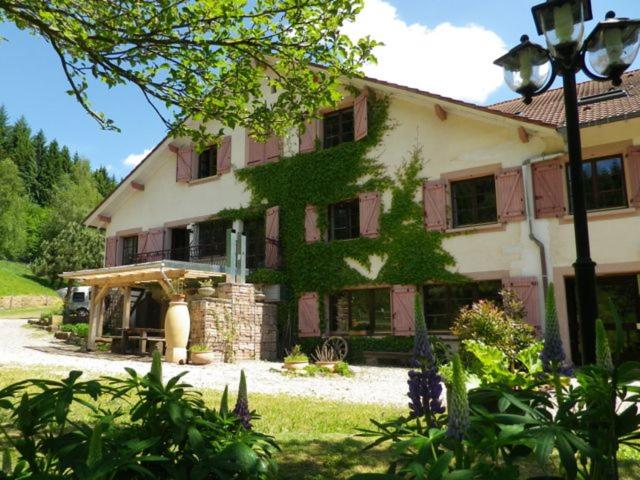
[
  {"x": 527, "y": 68},
  {"x": 562, "y": 23},
  {"x": 613, "y": 46},
  {"x": 530, "y": 70}
]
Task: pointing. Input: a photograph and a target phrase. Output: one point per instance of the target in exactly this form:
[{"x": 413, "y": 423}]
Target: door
[{"x": 180, "y": 244}]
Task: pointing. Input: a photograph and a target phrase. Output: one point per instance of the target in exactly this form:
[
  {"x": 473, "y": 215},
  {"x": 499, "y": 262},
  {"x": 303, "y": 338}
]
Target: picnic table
[{"x": 153, "y": 337}]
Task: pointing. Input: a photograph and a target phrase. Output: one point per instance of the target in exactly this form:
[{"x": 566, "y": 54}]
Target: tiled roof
[{"x": 549, "y": 107}]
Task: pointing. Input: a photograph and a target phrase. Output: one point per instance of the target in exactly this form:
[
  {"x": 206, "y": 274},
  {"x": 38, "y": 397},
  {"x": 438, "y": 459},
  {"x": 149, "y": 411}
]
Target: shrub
[
  {"x": 165, "y": 432},
  {"x": 199, "y": 348},
  {"x": 495, "y": 326},
  {"x": 78, "y": 329}
]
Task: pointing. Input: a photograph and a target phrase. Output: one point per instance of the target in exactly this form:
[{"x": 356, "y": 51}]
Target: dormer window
[
  {"x": 338, "y": 127},
  {"x": 207, "y": 163}
]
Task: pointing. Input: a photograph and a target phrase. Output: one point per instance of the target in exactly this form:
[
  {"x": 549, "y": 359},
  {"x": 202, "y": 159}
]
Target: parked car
[{"x": 79, "y": 300}]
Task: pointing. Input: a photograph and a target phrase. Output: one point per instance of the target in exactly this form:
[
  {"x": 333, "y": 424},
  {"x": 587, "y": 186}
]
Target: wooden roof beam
[
  {"x": 523, "y": 135},
  {"x": 441, "y": 113},
  {"x": 137, "y": 186}
]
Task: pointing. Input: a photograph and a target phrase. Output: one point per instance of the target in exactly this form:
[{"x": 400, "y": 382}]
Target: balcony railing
[{"x": 209, "y": 253}]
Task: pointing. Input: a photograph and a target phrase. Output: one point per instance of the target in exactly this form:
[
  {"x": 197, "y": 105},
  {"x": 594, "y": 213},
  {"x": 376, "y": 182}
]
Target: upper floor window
[
  {"x": 129, "y": 249},
  {"x": 212, "y": 238},
  {"x": 604, "y": 185},
  {"x": 361, "y": 310},
  {"x": 207, "y": 163},
  {"x": 254, "y": 231},
  {"x": 338, "y": 127},
  {"x": 344, "y": 220},
  {"x": 442, "y": 302},
  {"x": 474, "y": 201}
]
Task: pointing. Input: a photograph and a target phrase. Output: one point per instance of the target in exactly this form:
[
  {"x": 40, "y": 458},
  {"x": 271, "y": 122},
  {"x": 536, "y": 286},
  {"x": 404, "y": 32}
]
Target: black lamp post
[{"x": 530, "y": 69}]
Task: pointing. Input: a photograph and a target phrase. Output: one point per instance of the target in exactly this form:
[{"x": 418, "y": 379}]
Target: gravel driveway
[{"x": 23, "y": 346}]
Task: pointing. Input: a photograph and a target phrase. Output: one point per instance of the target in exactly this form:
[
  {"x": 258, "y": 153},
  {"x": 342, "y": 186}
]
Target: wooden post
[
  {"x": 126, "y": 308},
  {"x": 91, "y": 336}
]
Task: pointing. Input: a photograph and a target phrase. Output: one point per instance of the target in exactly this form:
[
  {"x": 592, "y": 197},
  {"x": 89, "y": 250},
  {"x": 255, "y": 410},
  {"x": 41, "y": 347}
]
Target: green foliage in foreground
[
  {"x": 78, "y": 329},
  {"x": 18, "y": 279},
  {"x": 166, "y": 431}
]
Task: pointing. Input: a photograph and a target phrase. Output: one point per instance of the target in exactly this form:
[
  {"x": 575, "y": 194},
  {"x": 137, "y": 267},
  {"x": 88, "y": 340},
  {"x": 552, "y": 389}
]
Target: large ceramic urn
[{"x": 176, "y": 331}]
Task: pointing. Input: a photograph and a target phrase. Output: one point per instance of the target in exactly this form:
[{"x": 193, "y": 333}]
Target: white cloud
[
  {"x": 455, "y": 61},
  {"x": 134, "y": 159}
]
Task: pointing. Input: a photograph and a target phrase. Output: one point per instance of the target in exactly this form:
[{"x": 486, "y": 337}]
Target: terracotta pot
[
  {"x": 201, "y": 358},
  {"x": 177, "y": 324},
  {"x": 296, "y": 365},
  {"x": 328, "y": 365},
  {"x": 206, "y": 291}
]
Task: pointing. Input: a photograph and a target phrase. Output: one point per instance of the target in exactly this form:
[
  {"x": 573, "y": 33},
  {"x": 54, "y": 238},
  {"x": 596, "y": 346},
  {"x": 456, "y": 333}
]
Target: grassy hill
[{"x": 17, "y": 279}]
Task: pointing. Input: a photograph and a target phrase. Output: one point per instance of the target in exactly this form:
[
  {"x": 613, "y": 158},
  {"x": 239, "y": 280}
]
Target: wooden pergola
[{"x": 125, "y": 277}]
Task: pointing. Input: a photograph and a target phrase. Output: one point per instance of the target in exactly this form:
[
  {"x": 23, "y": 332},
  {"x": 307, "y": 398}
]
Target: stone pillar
[{"x": 234, "y": 325}]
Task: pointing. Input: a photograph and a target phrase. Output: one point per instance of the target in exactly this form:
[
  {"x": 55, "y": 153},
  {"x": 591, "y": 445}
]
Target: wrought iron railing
[{"x": 210, "y": 253}]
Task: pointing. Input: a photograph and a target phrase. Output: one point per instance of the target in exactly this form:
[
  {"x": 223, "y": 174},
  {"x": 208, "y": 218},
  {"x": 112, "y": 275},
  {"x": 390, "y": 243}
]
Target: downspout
[{"x": 529, "y": 202}]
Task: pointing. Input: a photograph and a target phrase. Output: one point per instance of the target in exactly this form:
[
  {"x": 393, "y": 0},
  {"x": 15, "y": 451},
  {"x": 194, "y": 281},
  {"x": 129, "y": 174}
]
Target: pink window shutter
[
  {"x": 309, "y": 136},
  {"x": 223, "y": 159},
  {"x": 633, "y": 174},
  {"x": 370, "y": 205},
  {"x": 111, "y": 250},
  {"x": 184, "y": 162},
  {"x": 548, "y": 189},
  {"x": 360, "y": 117},
  {"x": 255, "y": 152},
  {"x": 272, "y": 149},
  {"x": 143, "y": 240},
  {"x": 510, "y": 195},
  {"x": 402, "y": 310},
  {"x": 311, "y": 231},
  {"x": 308, "y": 315},
  {"x": 527, "y": 290},
  {"x": 155, "y": 244},
  {"x": 434, "y": 195},
  {"x": 272, "y": 237}
]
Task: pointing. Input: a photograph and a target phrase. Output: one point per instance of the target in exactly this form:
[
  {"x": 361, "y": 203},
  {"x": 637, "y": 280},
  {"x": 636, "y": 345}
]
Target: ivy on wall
[{"x": 320, "y": 178}]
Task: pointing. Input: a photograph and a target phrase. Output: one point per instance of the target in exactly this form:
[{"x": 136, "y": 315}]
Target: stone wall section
[{"x": 234, "y": 324}]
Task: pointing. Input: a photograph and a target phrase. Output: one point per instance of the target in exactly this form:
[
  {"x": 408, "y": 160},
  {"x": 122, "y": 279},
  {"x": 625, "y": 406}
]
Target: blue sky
[{"x": 442, "y": 46}]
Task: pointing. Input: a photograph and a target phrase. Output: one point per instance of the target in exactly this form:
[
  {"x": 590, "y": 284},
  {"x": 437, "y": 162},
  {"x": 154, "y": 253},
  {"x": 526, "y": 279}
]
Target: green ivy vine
[{"x": 413, "y": 255}]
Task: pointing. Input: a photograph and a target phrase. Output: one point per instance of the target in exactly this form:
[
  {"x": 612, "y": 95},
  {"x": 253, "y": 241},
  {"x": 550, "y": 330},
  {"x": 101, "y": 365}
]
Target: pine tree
[
  {"x": 105, "y": 183},
  {"x": 43, "y": 182},
  {"x": 66, "y": 164},
  {"x": 23, "y": 155},
  {"x": 13, "y": 211},
  {"x": 5, "y": 128}
]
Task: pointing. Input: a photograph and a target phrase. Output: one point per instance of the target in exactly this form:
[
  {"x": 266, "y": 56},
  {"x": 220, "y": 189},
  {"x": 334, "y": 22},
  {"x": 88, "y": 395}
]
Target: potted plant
[
  {"x": 296, "y": 359},
  {"x": 201, "y": 354},
  {"x": 326, "y": 357},
  {"x": 206, "y": 288}
]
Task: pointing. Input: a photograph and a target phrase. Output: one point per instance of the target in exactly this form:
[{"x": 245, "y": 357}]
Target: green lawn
[
  {"x": 317, "y": 438},
  {"x": 17, "y": 279}
]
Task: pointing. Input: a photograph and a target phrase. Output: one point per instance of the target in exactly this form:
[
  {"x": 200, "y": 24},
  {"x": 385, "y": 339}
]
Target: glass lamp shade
[
  {"x": 562, "y": 24},
  {"x": 527, "y": 68},
  {"x": 613, "y": 46}
]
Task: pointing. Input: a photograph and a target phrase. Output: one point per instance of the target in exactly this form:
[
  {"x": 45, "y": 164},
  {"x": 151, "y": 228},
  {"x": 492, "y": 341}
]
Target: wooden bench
[
  {"x": 142, "y": 335},
  {"x": 387, "y": 358}
]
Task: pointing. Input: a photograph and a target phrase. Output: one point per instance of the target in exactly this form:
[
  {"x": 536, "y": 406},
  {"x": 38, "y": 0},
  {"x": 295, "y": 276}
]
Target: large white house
[{"x": 494, "y": 182}]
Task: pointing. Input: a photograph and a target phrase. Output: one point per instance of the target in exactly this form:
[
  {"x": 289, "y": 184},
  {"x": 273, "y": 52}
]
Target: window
[
  {"x": 474, "y": 201},
  {"x": 212, "y": 238},
  {"x": 344, "y": 220},
  {"x": 443, "y": 302},
  {"x": 207, "y": 163},
  {"x": 254, "y": 231},
  {"x": 129, "y": 249},
  {"x": 603, "y": 184},
  {"x": 361, "y": 310},
  {"x": 338, "y": 127},
  {"x": 77, "y": 297}
]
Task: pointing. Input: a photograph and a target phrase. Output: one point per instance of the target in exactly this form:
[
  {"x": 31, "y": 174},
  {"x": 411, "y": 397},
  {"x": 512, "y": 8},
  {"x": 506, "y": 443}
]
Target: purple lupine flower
[
  {"x": 425, "y": 392},
  {"x": 241, "y": 410}
]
